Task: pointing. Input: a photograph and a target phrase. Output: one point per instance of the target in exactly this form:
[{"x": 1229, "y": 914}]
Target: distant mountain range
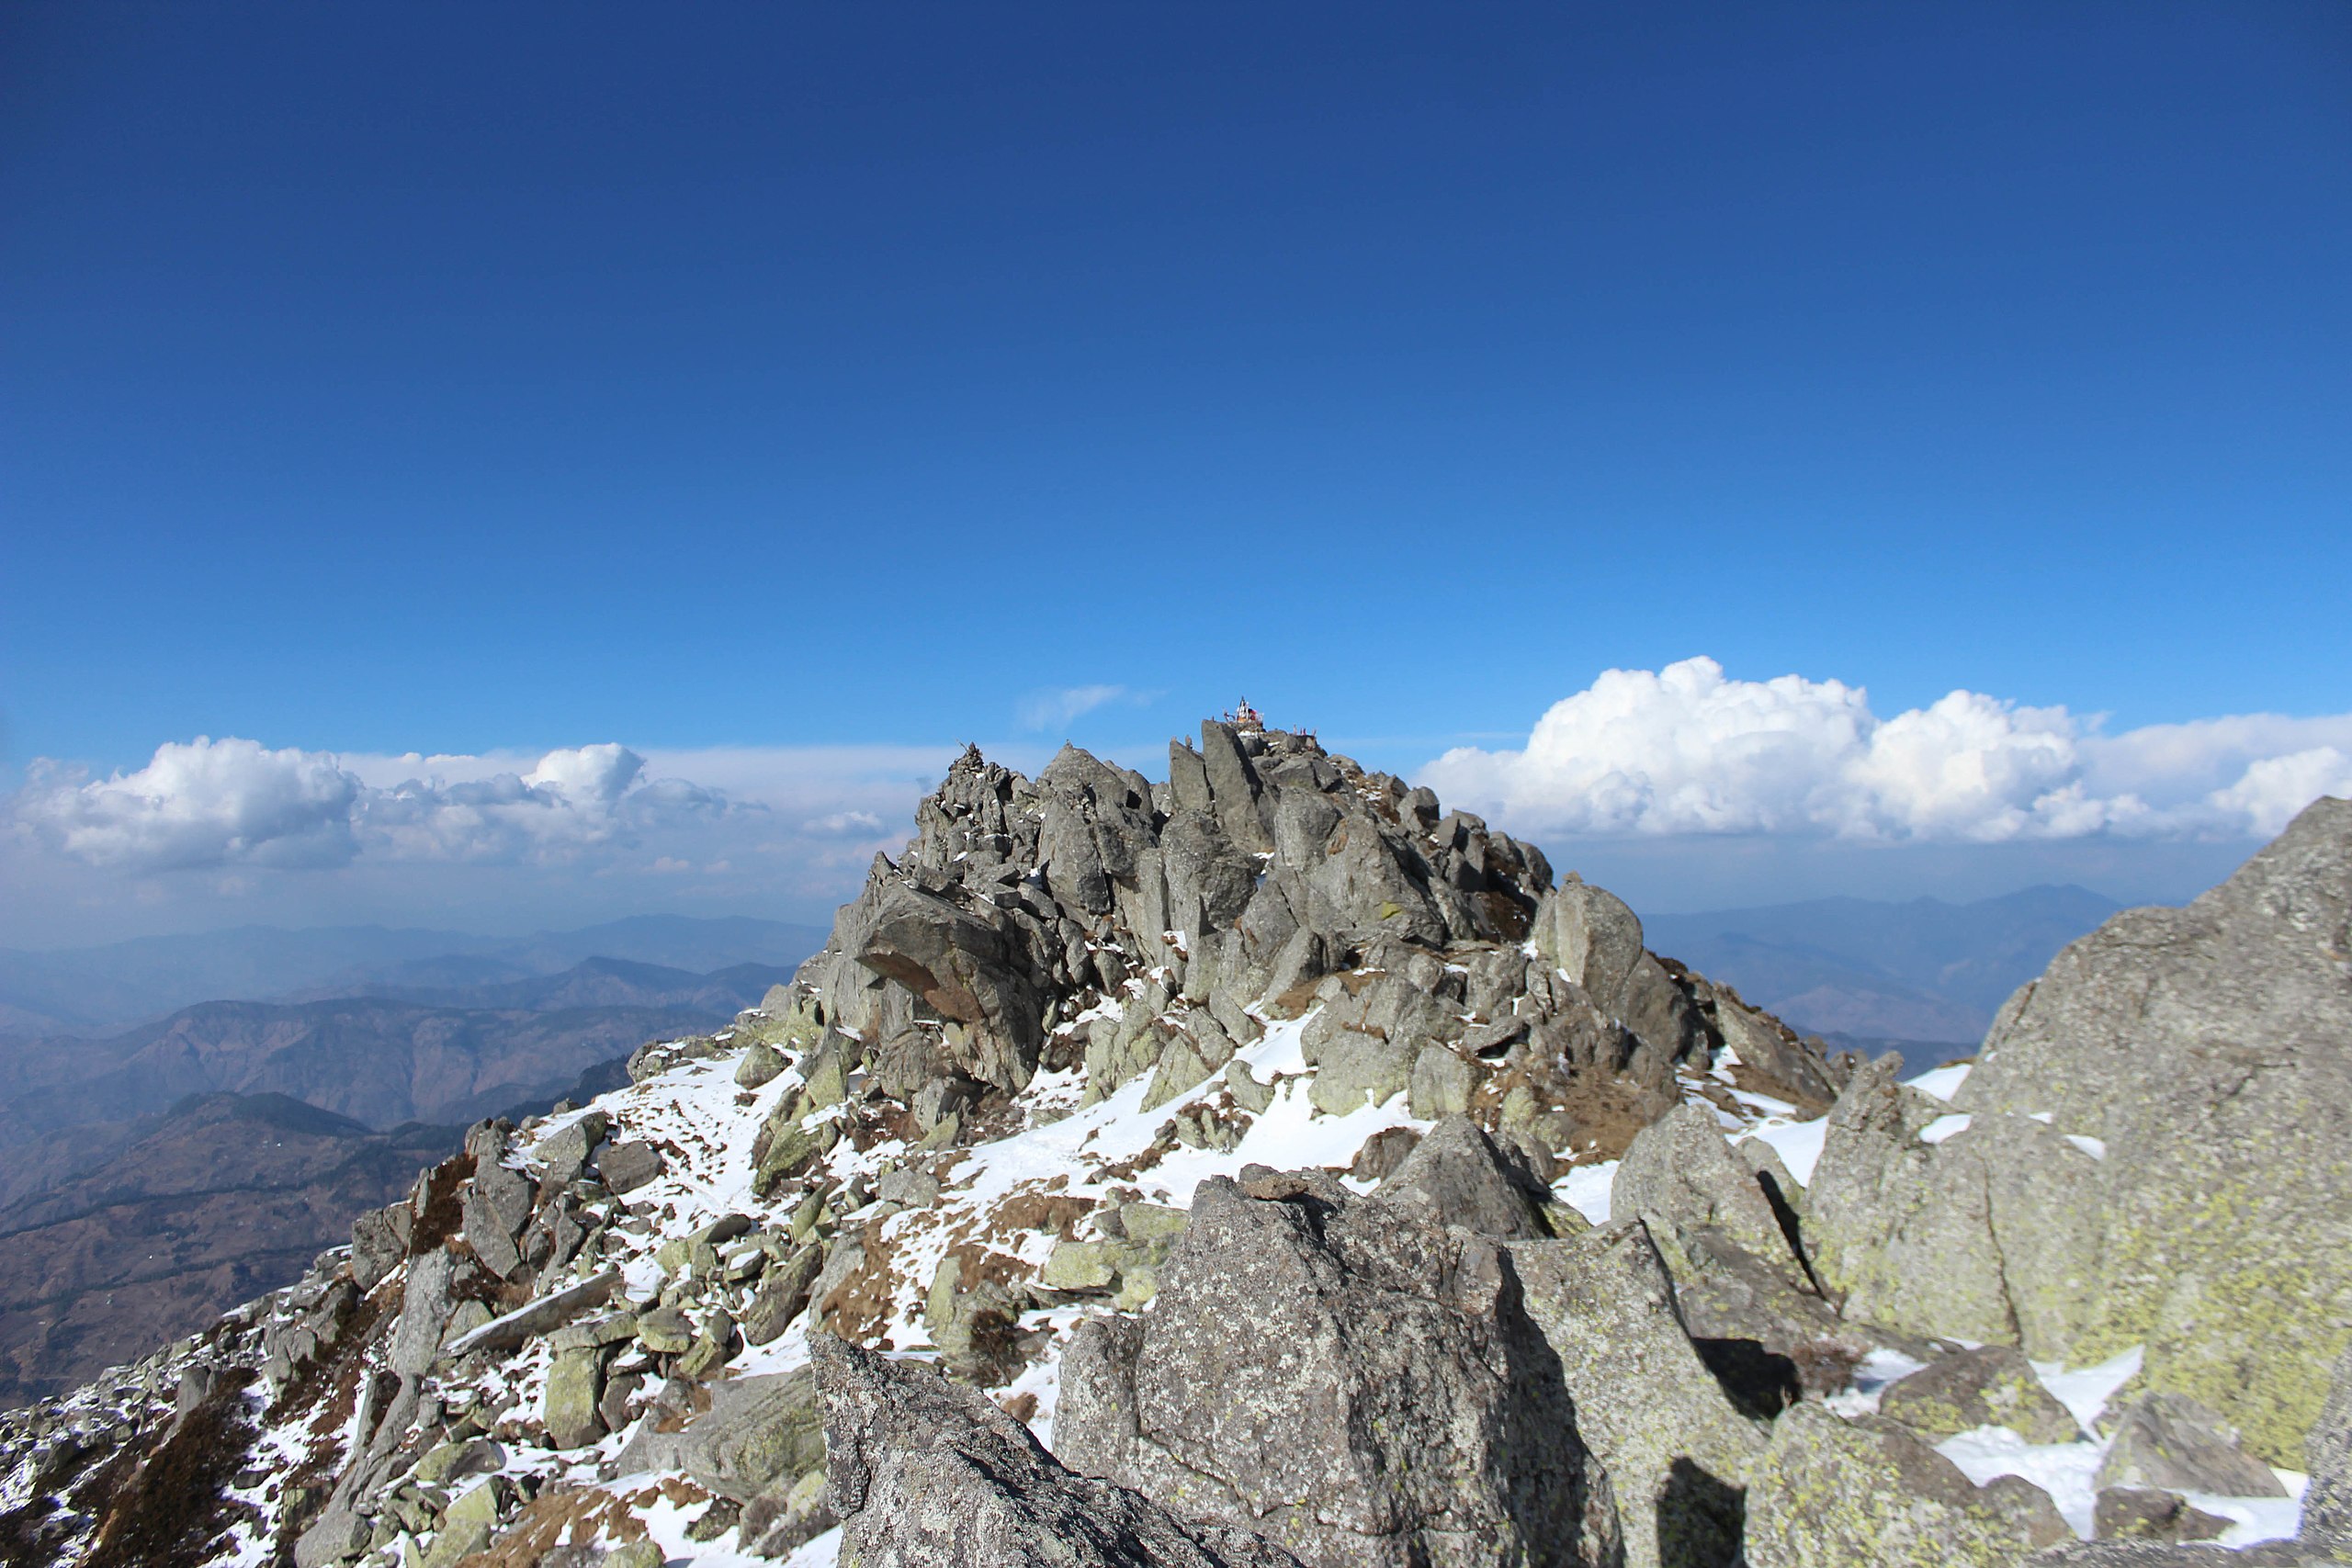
[
  {"x": 438, "y": 1055},
  {"x": 1925, "y": 972},
  {"x": 225, "y": 1197},
  {"x": 152, "y": 1177},
  {"x": 97, "y": 990}
]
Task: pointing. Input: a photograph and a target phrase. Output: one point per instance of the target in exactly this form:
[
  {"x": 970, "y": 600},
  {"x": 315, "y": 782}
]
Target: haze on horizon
[{"x": 471, "y": 471}]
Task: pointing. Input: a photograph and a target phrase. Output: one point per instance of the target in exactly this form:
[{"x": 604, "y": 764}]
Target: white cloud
[
  {"x": 205, "y": 803},
  {"x": 235, "y": 802},
  {"x": 1687, "y": 751},
  {"x": 1060, "y": 705}
]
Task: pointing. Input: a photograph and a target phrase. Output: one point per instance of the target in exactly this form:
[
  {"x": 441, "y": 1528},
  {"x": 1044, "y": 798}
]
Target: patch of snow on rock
[
  {"x": 1585, "y": 1190},
  {"x": 1797, "y": 1143},
  {"x": 1943, "y": 1127},
  {"x": 1944, "y": 1083}
]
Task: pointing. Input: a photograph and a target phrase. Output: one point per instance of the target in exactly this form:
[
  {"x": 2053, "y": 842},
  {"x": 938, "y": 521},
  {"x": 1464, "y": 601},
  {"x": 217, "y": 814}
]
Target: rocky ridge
[{"x": 1302, "y": 1177}]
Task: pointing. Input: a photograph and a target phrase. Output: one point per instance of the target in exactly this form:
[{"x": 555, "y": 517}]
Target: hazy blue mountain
[
  {"x": 1925, "y": 971},
  {"x": 99, "y": 990},
  {"x": 598, "y": 983},
  {"x": 449, "y": 1057}
]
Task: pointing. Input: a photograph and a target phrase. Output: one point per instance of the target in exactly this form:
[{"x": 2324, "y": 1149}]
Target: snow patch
[
  {"x": 1872, "y": 1376},
  {"x": 2065, "y": 1470},
  {"x": 1585, "y": 1190},
  {"x": 1943, "y": 1127},
  {"x": 1944, "y": 1083},
  {"x": 1797, "y": 1143},
  {"x": 2085, "y": 1391}
]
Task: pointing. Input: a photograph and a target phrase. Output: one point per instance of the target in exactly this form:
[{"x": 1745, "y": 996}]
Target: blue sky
[{"x": 491, "y": 380}]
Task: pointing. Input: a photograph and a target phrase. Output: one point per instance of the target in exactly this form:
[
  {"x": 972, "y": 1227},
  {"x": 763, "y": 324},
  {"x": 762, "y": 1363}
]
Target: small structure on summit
[{"x": 1244, "y": 719}]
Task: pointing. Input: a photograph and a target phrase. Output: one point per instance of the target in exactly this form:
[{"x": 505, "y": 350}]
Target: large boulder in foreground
[
  {"x": 1360, "y": 1384},
  {"x": 927, "y": 1474},
  {"x": 2153, "y": 1150},
  {"x": 2207, "y": 1054}
]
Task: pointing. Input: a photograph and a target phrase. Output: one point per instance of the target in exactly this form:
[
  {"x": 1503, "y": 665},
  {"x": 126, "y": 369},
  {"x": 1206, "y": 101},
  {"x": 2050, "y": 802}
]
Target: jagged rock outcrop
[
  {"x": 1681, "y": 1174},
  {"x": 584, "y": 1329},
  {"x": 925, "y": 1474},
  {"x": 1457, "y": 1176},
  {"x": 1356, "y": 1383},
  {"x": 2185, "y": 1077},
  {"x": 1266, "y": 878}
]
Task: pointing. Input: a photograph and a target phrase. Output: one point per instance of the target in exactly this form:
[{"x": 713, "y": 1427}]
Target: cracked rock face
[
  {"x": 925, "y": 1474},
  {"x": 1355, "y": 1384}
]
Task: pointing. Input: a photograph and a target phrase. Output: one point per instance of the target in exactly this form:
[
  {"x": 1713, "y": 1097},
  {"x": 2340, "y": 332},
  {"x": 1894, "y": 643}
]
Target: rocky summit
[{"x": 1262, "y": 1165}]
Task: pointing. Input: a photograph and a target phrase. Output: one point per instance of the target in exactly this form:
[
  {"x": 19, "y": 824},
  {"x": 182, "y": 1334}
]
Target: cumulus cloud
[
  {"x": 205, "y": 803},
  {"x": 210, "y": 803},
  {"x": 1060, "y": 705},
  {"x": 1688, "y": 751}
]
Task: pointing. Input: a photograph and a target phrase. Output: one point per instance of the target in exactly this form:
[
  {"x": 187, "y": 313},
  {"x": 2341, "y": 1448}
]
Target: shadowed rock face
[{"x": 925, "y": 1474}]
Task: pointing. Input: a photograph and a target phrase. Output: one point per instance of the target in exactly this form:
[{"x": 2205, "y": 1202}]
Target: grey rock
[
  {"x": 2149, "y": 1513},
  {"x": 961, "y": 961},
  {"x": 910, "y": 1187},
  {"x": 758, "y": 1431},
  {"x": 467, "y": 1526},
  {"x": 378, "y": 1242},
  {"x": 1188, "y": 779},
  {"x": 1210, "y": 879},
  {"x": 1353, "y": 1069},
  {"x": 761, "y": 1065},
  {"x": 1731, "y": 1295},
  {"x": 1677, "y": 1451},
  {"x": 2172, "y": 1441},
  {"x": 1457, "y": 1176},
  {"x": 1679, "y": 1173},
  {"x": 1770, "y": 1047},
  {"x": 1381, "y": 1152},
  {"x": 570, "y": 1409},
  {"x": 566, "y": 1152},
  {"x": 1246, "y": 1091},
  {"x": 628, "y": 1165},
  {"x": 2327, "y": 1458},
  {"x": 1992, "y": 1386},
  {"x": 1869, "y": 1495},
  {"x": 2210, "y": 1048},
  {"x": 924, "y": 1475},
  {"x": 2140, "y": 1554},
  {"x": 426, "y": 1306},
  {"x": 1591, "y": 937},
  {"x": 1351, "y": 1382},
  {"x": 1234, "y": 787},
  {"x": 1959, "y": 1238},
  {"x": 1441, "y": 1084},
  {"x": 542, "y": 1317}
]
